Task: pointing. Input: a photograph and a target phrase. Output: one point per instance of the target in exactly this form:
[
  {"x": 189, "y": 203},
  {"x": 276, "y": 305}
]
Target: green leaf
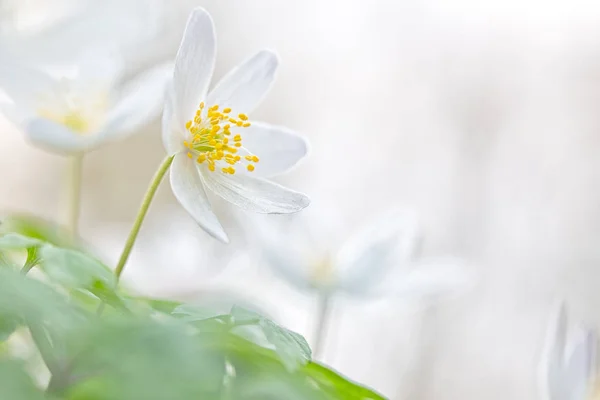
[
  {"x": 15, "y": 384},
  {"x": 16, "y": 241},
  {"x": 76, "y": 270},
  {"x": 137, "y": 358},
  {"x": 291, "y": 347},
  {"x": 336, "y": 385},
  {"x": 35, "y": 227},
  {"x": 7, "y": 326}
]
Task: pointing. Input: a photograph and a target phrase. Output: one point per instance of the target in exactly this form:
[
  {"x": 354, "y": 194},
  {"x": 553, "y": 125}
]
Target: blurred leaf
[
  {"x": 26, "y": 299},
  {"x": 7, "y": 326},
  {"x": 142, "y": 359},
  {"x": 76, "y": 270},
  {"x": 15, "y": 384},
  {"x": 291, "y": 347},
  {"x": 338, "y": 386},
  {"x": 35, "y": 227},
  {"x": 16, "y": 241},
  {"x": 160, "y": 305}
]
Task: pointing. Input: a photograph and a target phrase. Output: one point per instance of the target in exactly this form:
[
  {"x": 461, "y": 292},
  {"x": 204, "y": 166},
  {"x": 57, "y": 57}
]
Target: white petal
[
  {"x": 24, "y": 86},
  {"x": 278, "y": 148},
  {"x": 57, "y": 138},
  {"x": 365, "y": 259},
  {"x": 171, "y": 137},
  {"x": 187, "y": 188},
  {"x": 580, "y": 371},
  {"x": 142, "y": 100},
  {"x": 194, "y": 64},
  {"x": 244, "y": 87},
  {"x": 254, "y": 194},
  {"x": 553, "y": 377}
]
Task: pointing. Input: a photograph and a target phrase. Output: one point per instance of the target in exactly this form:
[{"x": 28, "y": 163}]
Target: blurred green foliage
[{"x": 100, "y": 343}]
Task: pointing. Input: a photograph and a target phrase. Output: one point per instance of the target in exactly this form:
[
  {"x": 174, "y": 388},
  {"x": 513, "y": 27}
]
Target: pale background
[{"x": 480, "y": 115}]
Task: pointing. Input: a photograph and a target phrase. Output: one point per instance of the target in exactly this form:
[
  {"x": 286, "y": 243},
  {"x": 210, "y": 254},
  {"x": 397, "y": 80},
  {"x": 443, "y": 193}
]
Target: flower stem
[
  {"x": 75, "y": 168},
  {"x": 323, "y": 314},
  {"x": 158, "y": 176}
]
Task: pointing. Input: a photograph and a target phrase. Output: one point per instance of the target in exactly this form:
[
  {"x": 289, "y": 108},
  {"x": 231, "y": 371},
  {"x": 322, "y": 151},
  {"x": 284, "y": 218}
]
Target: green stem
[
  {"x": 323, "y": 314},
  {"x": 74, "y": 209},
  {"x": 31, "y": 261},
  {"x": 158, "y": 176}
]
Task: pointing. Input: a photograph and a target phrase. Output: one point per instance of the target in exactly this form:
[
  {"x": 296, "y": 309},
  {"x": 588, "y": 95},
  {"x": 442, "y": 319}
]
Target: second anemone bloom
[{"x": 215, "y": 143}]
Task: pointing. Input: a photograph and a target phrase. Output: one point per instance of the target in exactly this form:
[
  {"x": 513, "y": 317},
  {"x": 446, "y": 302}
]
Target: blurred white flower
[
  {"x": 378, "y": 260},
  {"x": 56, "y": 33},
  {"x": 569, "y": 370},
  {"x": 80, "y": 111},
  {"x": 216, "y": 146}
]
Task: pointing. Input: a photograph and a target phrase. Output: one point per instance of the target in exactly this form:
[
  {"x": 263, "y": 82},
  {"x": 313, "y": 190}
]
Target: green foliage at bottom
[{"x": 99, "y": 343}]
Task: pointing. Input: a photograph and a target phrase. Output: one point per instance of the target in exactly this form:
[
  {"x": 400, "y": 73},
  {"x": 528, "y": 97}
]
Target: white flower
[
  {"x": 77, "y": 113},
  {"x": 55, "y": 35},
  {"x": 569, "y": 371},
  {"x": 216, "y": 146},
  {"x": 378, "y": 260}
]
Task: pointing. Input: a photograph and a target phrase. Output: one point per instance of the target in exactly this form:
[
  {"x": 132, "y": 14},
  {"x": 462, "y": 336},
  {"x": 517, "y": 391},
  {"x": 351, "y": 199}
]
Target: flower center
[
  {"x": 67, "y": 105},
  {"x": 212, "y": 141}
]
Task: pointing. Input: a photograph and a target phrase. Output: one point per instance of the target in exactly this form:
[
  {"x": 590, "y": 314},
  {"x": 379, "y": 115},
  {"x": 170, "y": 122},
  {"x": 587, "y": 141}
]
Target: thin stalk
[
  {"x": 323, "y": 315},
  {"x": 74, "y": 202},
  {"x": 158, "y": 176}
]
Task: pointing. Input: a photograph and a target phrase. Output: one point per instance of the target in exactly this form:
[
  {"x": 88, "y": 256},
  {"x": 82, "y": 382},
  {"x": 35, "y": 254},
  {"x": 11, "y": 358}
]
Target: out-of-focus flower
[
  {"x": 79, "y": 112},
  {"x": 569, "y": 371},
  {"x": 378, "y": 260},
  {"x": 56, "y": 34},
  {"x": 216, "y": 146}
]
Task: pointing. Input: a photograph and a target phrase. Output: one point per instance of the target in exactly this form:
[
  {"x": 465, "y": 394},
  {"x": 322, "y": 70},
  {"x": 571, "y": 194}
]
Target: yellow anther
[{"x": 210, "y": 135}]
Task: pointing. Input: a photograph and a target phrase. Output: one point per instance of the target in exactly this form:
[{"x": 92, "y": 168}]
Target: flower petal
[
  {"x": 368, "y": 256},
  {"x": 57, "y": 138},
  {"x": 580, "y": 368},
  {"x": 244, "y": 87},
  {"x": 171, "y": 138},
  {"x": 278, "y": 148},
  {"x": 141, "y": 102},
  {"x": 254, "y": 194},
  {"x": 194, "y": 64},
  {"x": 24, "y": 86},
  {"x": 187, "y": 188}
]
